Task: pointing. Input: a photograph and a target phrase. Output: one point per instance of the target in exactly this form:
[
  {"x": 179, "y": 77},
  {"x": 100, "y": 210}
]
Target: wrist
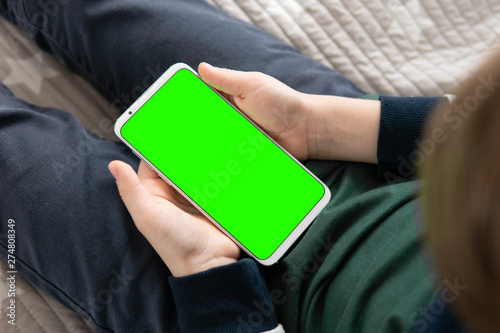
[{"x": 342, "y": 128}]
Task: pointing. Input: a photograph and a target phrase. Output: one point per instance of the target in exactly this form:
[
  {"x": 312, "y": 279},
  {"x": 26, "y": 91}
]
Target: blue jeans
[{"x": 74, "y": 238}]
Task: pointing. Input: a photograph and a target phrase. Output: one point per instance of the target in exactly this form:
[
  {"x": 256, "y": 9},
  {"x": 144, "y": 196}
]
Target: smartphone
[{"x": 252, "y": 189}]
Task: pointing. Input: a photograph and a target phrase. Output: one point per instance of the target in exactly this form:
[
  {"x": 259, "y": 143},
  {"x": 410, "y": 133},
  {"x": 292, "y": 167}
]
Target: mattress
[{"x": 396, "y": 47}]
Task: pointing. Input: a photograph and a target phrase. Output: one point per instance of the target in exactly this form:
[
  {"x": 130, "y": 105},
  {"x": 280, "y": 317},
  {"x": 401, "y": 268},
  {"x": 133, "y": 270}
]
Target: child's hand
[
  {"x": 275, "y": 107},
  {"x": 186, "y": 240},
  {"x": 307, "y": 126}
]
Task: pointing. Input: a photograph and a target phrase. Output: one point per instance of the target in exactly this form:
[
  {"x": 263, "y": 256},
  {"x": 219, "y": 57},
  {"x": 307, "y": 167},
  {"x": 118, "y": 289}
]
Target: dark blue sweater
[
  {"x": 401, "y": 122},
  {"x": 229, "y": 298}
]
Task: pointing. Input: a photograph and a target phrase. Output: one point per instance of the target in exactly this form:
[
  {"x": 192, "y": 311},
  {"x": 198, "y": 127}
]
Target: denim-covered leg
[
  {"x": 73, "y": 236},
  {"x": 123, "y": 46}
]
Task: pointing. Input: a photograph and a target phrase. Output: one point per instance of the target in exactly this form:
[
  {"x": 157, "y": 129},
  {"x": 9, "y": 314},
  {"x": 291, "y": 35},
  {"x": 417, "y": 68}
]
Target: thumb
[
  {"x": 226, "y": 80},
  {"x": 133, "y": 193}
]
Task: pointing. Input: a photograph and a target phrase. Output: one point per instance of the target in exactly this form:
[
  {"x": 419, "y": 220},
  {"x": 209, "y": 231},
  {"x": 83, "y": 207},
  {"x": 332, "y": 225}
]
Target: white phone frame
[{"x": 299, "y": 229}]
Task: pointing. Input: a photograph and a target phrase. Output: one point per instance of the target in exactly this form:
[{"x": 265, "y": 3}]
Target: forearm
[
  {"x": 343, "y": 128},
  {"x": 385, "y": 131}
]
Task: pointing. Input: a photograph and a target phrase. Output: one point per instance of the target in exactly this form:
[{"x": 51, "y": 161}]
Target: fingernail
[
  {"x": 114, "y": 171},
  {"x": 207, "y": 64}
]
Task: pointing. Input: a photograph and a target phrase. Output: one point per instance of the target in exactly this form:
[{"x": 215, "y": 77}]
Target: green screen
[{"x": 245, "y": 182}]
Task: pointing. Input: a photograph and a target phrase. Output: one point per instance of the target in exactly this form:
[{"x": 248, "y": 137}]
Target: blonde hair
[{"x": 462, "y": 197}]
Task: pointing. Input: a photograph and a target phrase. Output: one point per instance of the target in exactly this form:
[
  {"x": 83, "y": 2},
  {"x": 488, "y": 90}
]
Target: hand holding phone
[
  {"x": 223, "y": 164},
  {"x": 275, "y": 107},
  {"x": 184, "y": 238}
]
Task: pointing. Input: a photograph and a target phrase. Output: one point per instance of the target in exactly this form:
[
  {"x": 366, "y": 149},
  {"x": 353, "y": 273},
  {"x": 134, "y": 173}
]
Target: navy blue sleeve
[
  {"x": 401, "y": 123},
  {"x": 230, "y": 298}
]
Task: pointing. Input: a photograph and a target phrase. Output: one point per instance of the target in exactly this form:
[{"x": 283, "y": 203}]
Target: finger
[
  {"x": 145, "y": 172},
  {"x": 153, "y": 183},
  {"x": 134, "y": 195},
  {"x": 226, "y": 80},
  {"x": 158, "y": 187}
]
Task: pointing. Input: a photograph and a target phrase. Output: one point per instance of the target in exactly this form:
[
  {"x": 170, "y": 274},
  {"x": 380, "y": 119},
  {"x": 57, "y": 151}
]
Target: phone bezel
[{"x": 297, "y": 231}]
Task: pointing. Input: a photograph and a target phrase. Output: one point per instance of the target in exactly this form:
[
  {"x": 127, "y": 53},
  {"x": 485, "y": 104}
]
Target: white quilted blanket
[{"x": 398, "y": 47}]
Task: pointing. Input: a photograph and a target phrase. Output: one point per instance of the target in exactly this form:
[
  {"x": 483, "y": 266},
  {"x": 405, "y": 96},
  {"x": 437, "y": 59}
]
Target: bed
[{"x": 396, "y": 47}]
